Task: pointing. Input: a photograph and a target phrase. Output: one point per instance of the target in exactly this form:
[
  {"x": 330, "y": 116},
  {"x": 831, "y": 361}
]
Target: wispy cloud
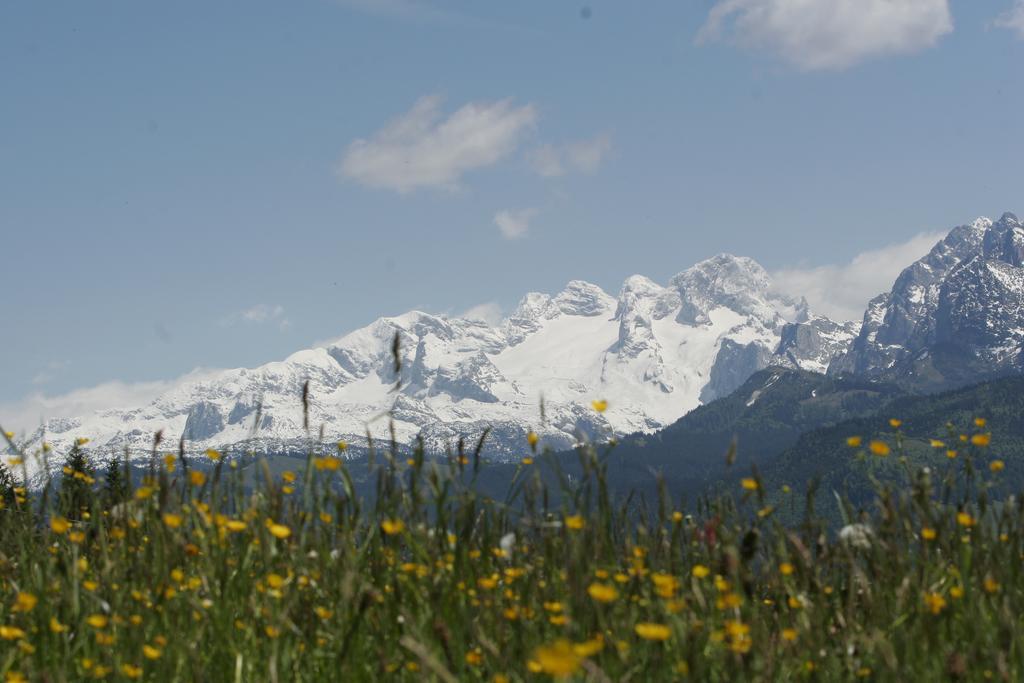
[
  {"x": 514, "y": 224},
  {"x": 1013, "y": 19},
  {"x": 584, "y": 156},
  {"x": 422, "y": 148},
  {"x": 26, "y": 415},
  {"x": 829, "y": 34},
  {"x": 258, "y": 315},
  {"x": 489, "y": 312},
  {"x": 842, "y": 291}
]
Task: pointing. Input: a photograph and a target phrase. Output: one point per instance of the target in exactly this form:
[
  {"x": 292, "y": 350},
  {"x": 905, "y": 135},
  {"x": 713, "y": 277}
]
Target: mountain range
[{"x": 655, "y": 352}]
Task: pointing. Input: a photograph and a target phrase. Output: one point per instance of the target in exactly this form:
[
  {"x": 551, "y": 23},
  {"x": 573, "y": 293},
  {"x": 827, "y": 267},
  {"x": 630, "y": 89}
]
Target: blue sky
[{"x": 214, "y": 184}]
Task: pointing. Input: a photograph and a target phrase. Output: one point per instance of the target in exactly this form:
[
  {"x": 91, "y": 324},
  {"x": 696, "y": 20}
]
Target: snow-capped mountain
[
  {"x": 654, "y": 352},
  {"x": 954, "y": 317}
]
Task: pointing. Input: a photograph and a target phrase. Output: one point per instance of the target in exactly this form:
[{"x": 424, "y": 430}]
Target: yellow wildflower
[
  {"x": 997, "y": 465},
  {"x": 700, "y": 571},
  {"x": 600, "y": 406},
  {"x": 981, "y": 439},
  {"x": 575, "y": 522},
  {"x": 279, "y": 531},
  {"x": 750, "y": 484},
  {"x": 392, "y": 527},
  {"x": 934, "y": 602},
  {"x": 603, "y": 592},
  {"x": 879, "y": 448},
  {"x": 928, "y": 533},
  {"x": 172, "y": 521},
  {"x": 213, "y": 454},
  {"x": 196, "y": 478},
  {"x": 558, "y": 659},
  {"x": 854, "y": 441},
  {"x": 24, "y": 602},
  {"x": 651, "y": 631}
]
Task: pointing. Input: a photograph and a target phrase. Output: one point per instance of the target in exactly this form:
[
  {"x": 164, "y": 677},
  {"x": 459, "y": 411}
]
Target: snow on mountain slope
[
  {"x": 652, "y": 352},
  {"x": 953, "y": 317}
]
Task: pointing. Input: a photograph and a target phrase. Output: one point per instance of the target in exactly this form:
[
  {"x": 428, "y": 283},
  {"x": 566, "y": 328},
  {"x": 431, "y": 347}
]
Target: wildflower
[
  {"x": 938, "y": 444},
  {"x": 532, "y": 439},
  {"x": 143, "y": 492},
  {"x": 738, "y": 634},
  {"x": 558, "y": 659},
  {"x": 786, "y": 569},
  {"x": 951, "y": 454},
  {"x": 76, "y": 536},
  {"x": 323, "y": 613},
  {"x": 879, "y": 448},
  {"x": 196, "y": 478},
  {"x": 329, "y": 464},
  {"x": 997, "y": 465},
  {"x": 894, "y": 423},
  {"x": 575, "y": 522},
  {"x": 131, "y": 671},
  {"x": 700, "y": 571},
  {"x": 81, "y": 441},
  {"x": 981, "y": 439},
  {"x": 97, "y": 621},
  {"x": 172, "y": 521},
  {"x": 956, "y": 592},
  {"x": 15, "y": 677},
  {"x": 527, "y": 460},
  {"x": 342, "y": 446},
  {"x": 965, "y": 519},
  {"x": 589, "y": 648},
  {"x": 279, "y": 531},
  {"x": 856, "y": 535},
  {"x": 24, "y": 602},
  {"x": 854, "y": 441},
  {"x": 56, "y": 626},
  {"x": 928, "y": 533},
  {"x": 991, "y": 585},
  {"x": 11, "y": 632},
  {"x": 600, "y": 406},
  {"x": 677, "y": 516},
  {"x": 934, "y": 602},
  {"x": 651, "y": 631},
  {"x": 213, "y": 454},
  {"x": 789, "y": 634},
  {"x": 392, "y": 526},
  {"x": 150, "y": 652},
  {"x": 234, "y": 525},
  {"x": 271, "y": 631},
  {"x": 474, "y": 657},
  {"x": 603, "y": 592},
  {"x": 749, "y": 484}
]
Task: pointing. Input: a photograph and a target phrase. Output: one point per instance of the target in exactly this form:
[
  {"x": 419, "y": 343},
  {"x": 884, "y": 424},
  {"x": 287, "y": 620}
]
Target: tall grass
[{"x": 202, "y": 575}]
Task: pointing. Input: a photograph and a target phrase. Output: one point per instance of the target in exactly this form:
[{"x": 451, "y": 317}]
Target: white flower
[
  {"x": 856, "y": 535},
  {"x": 507, "y": 544}
]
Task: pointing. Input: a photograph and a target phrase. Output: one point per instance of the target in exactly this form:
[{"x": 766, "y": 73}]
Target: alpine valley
[{"x": 716, "y": 349}]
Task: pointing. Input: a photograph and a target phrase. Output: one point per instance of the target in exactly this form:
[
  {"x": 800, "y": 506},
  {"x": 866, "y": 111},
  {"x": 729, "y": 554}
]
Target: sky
[{"x": 195, "y": 185}]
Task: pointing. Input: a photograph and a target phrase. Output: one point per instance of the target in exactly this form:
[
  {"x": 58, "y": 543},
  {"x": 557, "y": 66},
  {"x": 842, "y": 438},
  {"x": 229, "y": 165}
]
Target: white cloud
[
  {"x": 490, "y": 313},
  {"x": 422, "y": 148},
  {"x": 258, "y": 315},
  {"x": 514, "y": 224},
  {"x": 1013, "y": 19},
  {"x": 842, "y": 292},
  {"x": 584, "y": 156},
  {"x": 24, "y": 416},
  {"x": 830, "y": 34}
]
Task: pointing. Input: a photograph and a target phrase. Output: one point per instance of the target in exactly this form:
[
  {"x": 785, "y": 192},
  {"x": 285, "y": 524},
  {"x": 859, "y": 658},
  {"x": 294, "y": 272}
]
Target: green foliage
[{"x": 203, "y": 576}]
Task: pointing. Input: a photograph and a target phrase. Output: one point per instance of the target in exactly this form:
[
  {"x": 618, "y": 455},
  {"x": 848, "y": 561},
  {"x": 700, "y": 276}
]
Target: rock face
[
  {"x": 953, "y": 317},
  {"x": 654, "y": 352}
]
